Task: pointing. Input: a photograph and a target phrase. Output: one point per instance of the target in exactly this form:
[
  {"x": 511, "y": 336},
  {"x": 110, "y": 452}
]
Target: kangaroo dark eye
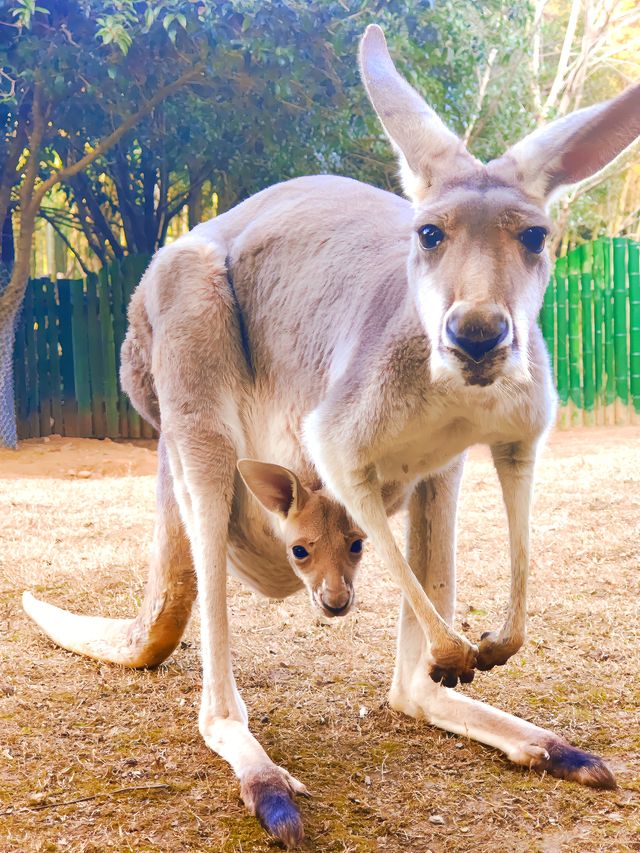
[
  {"x": 430, "y": 236},
  {"x": 356, "y": 546},
  {"x": 299, "y": 552},
  {"x": 533, "y": 239}
]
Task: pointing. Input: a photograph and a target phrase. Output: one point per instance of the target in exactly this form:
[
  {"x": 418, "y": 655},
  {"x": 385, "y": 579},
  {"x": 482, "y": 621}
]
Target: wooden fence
[
  {"x": 70, "y": 333},
  {"x": 591, "y": 323},
  {"x": 67, "y": 356}
]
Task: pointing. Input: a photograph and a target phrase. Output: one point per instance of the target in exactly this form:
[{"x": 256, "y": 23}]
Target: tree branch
[
  {"x": 106, "y": 143},
  {"x": 8, "y": 177},
  {"x": 630, "y": 219},
  {"x": 81, "y": 187},
  {"x": 65, "y": 240},
  {"x": 536, "y": 54},
  {"x": 482, "y": 91},
  {"x": 35, "y": 140},
  {"x": 565, "y": 53}
]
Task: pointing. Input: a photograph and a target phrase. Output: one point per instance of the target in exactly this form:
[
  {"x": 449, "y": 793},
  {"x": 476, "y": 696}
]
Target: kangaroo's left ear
[
  {"x": 572, "y": 148},
  {"x": 277, "y": 488}
]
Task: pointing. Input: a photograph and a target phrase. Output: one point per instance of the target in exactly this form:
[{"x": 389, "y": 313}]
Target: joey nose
[
  {"x": 336, "y": 611},
  {"x": 477, "y": 332},
  {"x": 336, "y": 602}
]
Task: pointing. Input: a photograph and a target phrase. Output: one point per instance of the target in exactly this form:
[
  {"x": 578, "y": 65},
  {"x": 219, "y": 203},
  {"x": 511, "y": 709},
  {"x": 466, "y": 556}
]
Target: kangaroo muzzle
[
  {"x": 334, "y": 601},
  {"x": 477, "y": 331}
]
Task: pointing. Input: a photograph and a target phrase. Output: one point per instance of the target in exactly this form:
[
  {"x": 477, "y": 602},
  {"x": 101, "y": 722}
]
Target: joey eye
[
  {"x": 533, "y": 239},
  {"x": 430, "y": 236},
  {"x": 356, "y": 546},
  {"x": 299, "y": 552}
]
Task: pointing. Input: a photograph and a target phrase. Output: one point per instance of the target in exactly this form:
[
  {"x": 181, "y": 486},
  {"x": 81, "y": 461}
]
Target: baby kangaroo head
[{"x": 324, "y": 547}]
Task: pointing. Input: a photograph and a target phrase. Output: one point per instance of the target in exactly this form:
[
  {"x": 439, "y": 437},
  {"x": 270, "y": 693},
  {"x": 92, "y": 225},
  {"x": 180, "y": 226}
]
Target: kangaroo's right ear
[
  {"x": 428, "y": 152},
  {"x": 573, "y": 147},
  {"x": 277, "y": 488}
]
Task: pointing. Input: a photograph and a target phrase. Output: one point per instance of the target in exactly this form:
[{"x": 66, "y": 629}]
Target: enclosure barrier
[
  {"x": 67, "y": 355},
  {"x": 70, "y": 333},
  {"x": 590, "y": 320}
]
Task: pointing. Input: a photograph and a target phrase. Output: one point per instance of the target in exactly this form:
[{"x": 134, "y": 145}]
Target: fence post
[
  {"x": 119, "y": 309},
  {"x": 96, "y": 358},
  {"x": 609, "y": 356},
  {"x": 575, "y": 384},
  {"x": 109, "y": 359},
  {"x": 44, "y": 375},
  {"x": 620, "y": 327},
  {"x": 53, "y": 341},
  {"x": 598, "y": 321},
  {"x": 634, "y": 327},
  {"x": 81, "y": 357},
  {"x": 32, "y": 362},
  {"x": 69, "y": 403},
  {"x": 562, "y": 360},
  {"x": 588, "y": 386},
  {"x": 547, "y": 321}
]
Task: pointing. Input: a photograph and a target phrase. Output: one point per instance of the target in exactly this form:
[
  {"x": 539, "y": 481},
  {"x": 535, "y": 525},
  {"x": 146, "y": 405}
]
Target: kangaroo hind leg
[{"x": 200, "y": 375}]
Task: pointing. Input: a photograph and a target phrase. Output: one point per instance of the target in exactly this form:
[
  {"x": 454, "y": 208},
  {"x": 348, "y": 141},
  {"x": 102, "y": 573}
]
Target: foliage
[
  {"x": 132, "y": 107},
  {"x": 73, "y": 88},
  {"x": 279, "y": 94}
]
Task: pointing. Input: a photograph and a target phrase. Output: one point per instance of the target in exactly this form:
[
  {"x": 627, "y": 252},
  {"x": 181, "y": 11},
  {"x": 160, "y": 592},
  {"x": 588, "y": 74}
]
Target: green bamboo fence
[
  {"x": 590, "y": 320},
  {"x": 66, "y": 360},
  {"x": 69, "y": 338}
]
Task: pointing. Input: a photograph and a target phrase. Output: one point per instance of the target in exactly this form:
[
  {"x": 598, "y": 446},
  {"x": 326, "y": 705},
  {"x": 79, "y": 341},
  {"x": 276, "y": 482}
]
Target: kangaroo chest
[{"x": 429, "y": 443}]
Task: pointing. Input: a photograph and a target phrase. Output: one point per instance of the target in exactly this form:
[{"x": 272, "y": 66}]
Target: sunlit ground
[{"x": 95, "y": 758}]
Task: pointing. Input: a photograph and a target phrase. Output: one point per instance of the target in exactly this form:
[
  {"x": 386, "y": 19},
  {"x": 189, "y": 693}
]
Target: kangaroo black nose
[
  {"x": 476, "y": 332},
  {"x": 336, "y": 611},
  {"x": 336, "y": 603}
]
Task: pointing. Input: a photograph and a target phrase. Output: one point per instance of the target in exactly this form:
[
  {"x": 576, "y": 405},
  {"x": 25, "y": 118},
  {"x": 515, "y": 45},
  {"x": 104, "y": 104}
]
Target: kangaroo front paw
[
  {"x": 268, "y": 794},
  {"x": 495, "y": 650},
  {"x": 452, "y": 662}
]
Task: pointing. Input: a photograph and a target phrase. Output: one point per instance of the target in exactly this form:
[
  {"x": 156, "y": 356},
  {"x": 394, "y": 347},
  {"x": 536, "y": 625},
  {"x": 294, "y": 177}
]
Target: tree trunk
[
  {"x": 11, "y": 296},
  {"x": 7, "y": 248},
  {"x": 194, "y": 200},
  {"x": 8, "y": 434}
]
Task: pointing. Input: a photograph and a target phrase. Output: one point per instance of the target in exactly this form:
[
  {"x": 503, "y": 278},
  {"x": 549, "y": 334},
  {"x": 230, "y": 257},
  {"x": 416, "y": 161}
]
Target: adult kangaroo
[{"x": 348, "y": 334}]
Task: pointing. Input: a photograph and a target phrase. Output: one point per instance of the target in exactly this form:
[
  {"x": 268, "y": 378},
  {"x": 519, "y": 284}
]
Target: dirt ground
[{"x": 93, "y": 757}]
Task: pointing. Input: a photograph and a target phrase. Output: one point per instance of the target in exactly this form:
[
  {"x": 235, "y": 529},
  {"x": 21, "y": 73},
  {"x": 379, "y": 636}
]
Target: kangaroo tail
[
  {"x": 154, "y": 633},
  {"x": 121, "y": 641}
]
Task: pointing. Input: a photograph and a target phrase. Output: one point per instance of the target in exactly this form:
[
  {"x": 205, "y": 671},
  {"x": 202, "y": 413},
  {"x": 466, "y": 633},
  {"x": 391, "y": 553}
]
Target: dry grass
[{"x": 125, "y": 746}]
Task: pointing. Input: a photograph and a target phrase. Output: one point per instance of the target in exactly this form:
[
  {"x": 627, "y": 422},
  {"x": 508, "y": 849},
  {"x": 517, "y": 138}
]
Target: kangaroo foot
[
  {"x": 268, "y": 794},
  {"x": 555, "y": 756}
]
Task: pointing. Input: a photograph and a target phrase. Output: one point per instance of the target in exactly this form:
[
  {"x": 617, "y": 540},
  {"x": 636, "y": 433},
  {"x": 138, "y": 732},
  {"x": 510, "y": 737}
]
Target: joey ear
[
  {"x": 277, "y": 488},
  {"x": 574, "y": 147},
  {"x": 428, "y": 152}
]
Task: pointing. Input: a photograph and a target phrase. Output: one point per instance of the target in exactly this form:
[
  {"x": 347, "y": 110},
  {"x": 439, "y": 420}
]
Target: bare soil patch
[{"x": 94, "y": 758}]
